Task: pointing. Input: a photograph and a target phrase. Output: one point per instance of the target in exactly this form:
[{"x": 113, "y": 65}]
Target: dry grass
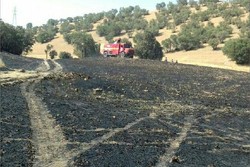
[
  {"x": 97, "y": 38},
  {"x": 16, "y": 75},
  {"x": 217, "y": 20},
  {"x": 205, "y": 57},
  {"x": 151, "y": 16},
  {"x": 58, "y": 44},
  {"x": 245, "y": 16}
]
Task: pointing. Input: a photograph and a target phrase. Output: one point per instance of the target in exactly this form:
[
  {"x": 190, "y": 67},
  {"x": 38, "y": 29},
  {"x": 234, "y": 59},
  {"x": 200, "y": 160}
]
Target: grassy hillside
[{"x": 203, "y": 56}]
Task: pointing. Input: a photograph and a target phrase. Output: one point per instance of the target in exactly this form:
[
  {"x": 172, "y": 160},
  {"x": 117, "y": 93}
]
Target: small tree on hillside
[
  {"x": 84, "y": 44},
  {"x": 160, "y": 6},
  {"x": 167, "y": 45},
  {"x": 162, "y": 20},
  {"x": 153, "y": 27},
  {"x": 65, "y": 55},
  {"x": 182, "y": 2},
  {"x": 48, "y": 49},
  {"x": 193, "y": 3},
  {"x": 46, "y": 33},
  {"x": 66, "y": 27},
  {"x": 174, "y": 42},
  {"x": 214, "y": 42},
  {"x": 15, "y": 40},
  {"x": 189, "y": 41},
  {"x": 238, "y": 50},
  {"x": 52, "y": 54},
  {"x": 147, "y": 47},
  {"x": 190, "y": 36}
]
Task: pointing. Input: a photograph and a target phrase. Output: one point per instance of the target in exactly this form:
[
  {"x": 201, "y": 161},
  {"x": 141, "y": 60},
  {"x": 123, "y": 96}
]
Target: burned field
[
  {"x": 15, "y": 131},
  {"x": 126, "y": 112}
]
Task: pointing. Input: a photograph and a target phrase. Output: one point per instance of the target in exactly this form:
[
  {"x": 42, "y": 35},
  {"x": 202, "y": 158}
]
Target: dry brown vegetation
[{"x": 204, "y": 56}]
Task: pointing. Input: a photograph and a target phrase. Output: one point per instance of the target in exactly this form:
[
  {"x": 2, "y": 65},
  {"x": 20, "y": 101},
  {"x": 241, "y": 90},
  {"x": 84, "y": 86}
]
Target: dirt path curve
[{"x": 48, "y": 137}]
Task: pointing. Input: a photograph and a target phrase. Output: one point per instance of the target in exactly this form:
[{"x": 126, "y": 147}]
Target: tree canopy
[
  {"x": 238, "y": 50},
  {"x": 15, "y": 40},
  {"x": 84, "y": 44},
  {"x": 147, "y": 47}
]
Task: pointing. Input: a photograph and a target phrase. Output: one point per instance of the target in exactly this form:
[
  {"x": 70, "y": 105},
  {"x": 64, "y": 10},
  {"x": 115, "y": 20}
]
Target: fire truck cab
[{"x": 118, "y": 49}]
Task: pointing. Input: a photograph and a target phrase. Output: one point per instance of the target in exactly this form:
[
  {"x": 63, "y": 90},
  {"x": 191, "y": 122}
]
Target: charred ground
[{"x": 126, "y": 112}]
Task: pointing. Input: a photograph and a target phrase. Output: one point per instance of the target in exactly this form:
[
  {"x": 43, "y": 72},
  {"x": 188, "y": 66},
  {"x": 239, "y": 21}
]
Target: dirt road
[{"x": 123, "y": 112}]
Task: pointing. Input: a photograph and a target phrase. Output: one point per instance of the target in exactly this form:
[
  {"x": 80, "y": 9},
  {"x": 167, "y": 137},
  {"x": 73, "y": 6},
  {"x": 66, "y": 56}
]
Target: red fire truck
[{"x": 118, "y": 49}]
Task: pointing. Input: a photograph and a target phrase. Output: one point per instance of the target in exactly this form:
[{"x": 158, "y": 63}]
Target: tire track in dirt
[
  {"x": 50, "y": 142},
  {"x": 58, "y": 67},
  {"x": 48, "y": 138},
  {"x": 166, "y": 158},
  {"x": 102, "y": 139},
  {"x": 14, "y": 76}
]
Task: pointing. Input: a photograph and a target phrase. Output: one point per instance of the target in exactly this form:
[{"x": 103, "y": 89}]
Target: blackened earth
[
  {"x": 15, "y": 132},
  {"x": 137, "y": 113}
]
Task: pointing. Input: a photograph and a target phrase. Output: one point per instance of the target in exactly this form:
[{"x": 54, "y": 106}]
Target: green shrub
[
  {"x": 238, "y": 50},
  {"x": 214, "y": 42},
  {"x": 52, "y": 54},
  {"x": 84, "y": 44},
  {"x": 189, "y": 41},
  {"x": 15, "y": 40},
  {"x": 153, "y": 27},
  {"x": 167, "y": 45},
  {"x": 181, "y": 16},
  {"x": 147, "y": 47},
  {"x": 65, "y": 55},
  {"x": 66, "y": 27}
]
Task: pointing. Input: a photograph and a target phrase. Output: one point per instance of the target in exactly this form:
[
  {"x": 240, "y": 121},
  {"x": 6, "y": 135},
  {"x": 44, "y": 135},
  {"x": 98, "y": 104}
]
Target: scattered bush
[
  {"x": 147, "y": 47},
  {"x": 182, "y": 16},
  {"x": 182, "y": 2},
  {"x": 48, "y": 49},
  {"x": 66, "y": 27},
  {"x": 160, "y": 6},
  {"x": 46, "y": 33},
  {"x": 84, "y": 44},
  {"x": 189, "y": 41},
  {"x": 238, "y": 50},
  {"x": 65, "y": 55},
  {"x": 193, "y": 3},
  {"x": 214, "y": 42},
  {"x": 167, "y": 45},
  {"x": 52, "y": 54},
  {"x": 153, "y": 27}
]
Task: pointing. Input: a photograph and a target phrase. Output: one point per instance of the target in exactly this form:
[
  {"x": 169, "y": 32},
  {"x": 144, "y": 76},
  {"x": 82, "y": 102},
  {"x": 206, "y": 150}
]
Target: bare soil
[{"x": 123, "y": 112}]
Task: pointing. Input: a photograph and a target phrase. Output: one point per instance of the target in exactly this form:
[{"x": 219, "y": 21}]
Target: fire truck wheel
[
  {"x": 122, "y": 54},
  {"x": 105, "y": 54}
]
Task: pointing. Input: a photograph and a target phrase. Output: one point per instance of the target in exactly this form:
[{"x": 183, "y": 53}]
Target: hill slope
[
  {"x": 204, "y": 56},
  {"x": 124, "y": 112}
]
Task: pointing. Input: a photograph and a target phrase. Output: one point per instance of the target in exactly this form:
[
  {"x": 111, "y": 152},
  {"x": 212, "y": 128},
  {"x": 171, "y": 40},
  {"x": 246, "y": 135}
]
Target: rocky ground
[{"x": 124, "y": 112}]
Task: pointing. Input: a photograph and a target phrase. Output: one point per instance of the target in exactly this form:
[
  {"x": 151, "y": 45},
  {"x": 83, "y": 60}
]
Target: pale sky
[{"x": 38, "y": 12}]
